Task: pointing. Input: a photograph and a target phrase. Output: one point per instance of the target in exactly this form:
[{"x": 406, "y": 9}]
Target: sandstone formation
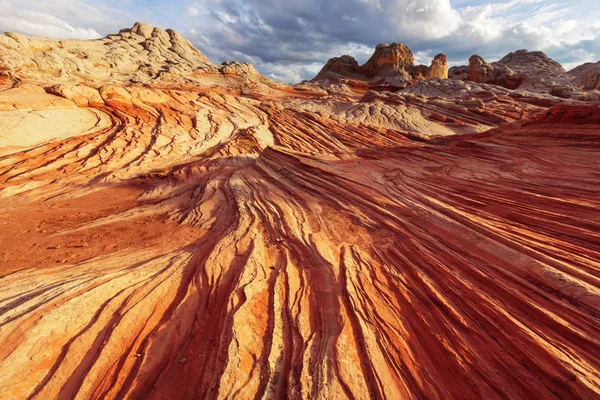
[
  {"x": 499, "y": 74},
  {"x": 532, "y": 71},
  {"x": 390, "y": 66},
  {"x": 438, "y": 68},
  {"x": 587, "y": 76},
  {"x": 458, "y": 72},
  {"x": 540, "y": 72},
  {"x": 142, "y": 54},
  {"x": 204, "y": 233}
]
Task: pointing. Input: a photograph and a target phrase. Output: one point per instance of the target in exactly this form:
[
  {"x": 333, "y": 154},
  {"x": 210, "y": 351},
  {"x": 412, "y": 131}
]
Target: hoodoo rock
[
  {"x": 175, "y": 229},
  {"x": 438, "y": 68},
  {"x": 478, "y": 70},
  {"x": 394, "y": 57},
  {"x": 391, "y": 66}
]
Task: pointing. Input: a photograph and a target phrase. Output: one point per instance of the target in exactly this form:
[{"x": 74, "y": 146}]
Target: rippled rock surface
[{"x": 225, "y": 236}]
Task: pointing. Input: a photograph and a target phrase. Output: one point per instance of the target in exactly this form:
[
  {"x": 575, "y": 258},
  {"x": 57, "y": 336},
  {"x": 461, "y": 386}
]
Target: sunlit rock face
[
  {"x": 390, "y": 67},
  {"x": 533, "y": 71},
  {"x": 207, "y": 233}
]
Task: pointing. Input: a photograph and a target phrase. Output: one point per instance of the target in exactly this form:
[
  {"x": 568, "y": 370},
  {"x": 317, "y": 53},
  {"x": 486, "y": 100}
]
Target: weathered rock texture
[
  {"x": 438, "y": 68},
  {"x": 142, "y": 54},
  {"x": 389, "y": 66},
  {"x": 533, "y": 71},
  {"x": 481, "y": 72},
  {"x": 265, "y": 241},
  {"x": 587, "y": 76}
]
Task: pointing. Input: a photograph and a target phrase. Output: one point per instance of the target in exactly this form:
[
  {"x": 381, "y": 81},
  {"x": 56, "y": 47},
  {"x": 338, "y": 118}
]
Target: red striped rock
[{"x": 235, "y": 238}]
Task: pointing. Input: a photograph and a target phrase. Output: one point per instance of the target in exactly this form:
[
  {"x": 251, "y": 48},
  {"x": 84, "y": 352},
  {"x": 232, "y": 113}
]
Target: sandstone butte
[{"x": 175, "y": 229}]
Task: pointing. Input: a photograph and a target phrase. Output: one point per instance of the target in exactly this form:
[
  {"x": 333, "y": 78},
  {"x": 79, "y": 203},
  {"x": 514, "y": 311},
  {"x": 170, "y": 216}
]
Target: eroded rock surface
[
  {"x": 390, "y": 66},
  {"x": 535, "y": 72},
  {"x": 480, "y": 71},
  {"x": 234, "y": 238},
  {"x": 141, "y": 54},
  {"x": 438, "y": 68},
  {"x": 587, "y": 76}
]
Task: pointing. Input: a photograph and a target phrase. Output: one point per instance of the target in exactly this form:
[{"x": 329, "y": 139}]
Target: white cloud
[
  {"x": 578, "y": 57},
  {"x": 543, "y": 27},
  {"x": 40, "y": 24},
  {"x": 423, "y": 57},
  {"x": 291, "y": 73},
  {"x": 425, "y": 19},
  {"x": 193, "y": 11},
  {"x": 63, "y": 19}
]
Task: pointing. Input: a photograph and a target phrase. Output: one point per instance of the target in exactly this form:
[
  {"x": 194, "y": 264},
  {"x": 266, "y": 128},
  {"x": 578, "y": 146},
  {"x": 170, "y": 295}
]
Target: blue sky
[{"x": 290, "y": 40}]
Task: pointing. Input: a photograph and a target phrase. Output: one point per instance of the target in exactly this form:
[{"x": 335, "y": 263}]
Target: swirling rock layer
[{"x": 184, "y": 243}]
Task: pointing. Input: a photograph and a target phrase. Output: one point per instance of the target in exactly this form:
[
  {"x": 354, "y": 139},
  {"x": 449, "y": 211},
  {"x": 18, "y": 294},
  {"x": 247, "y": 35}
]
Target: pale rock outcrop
[
  {"x": 539, "y": 73},
  {"x": 139, "y": 54},
  {"x": 81, "y": 95},
  {"x": 31, "y": 97},
  {"x": 238, "y": 68},
  {"x": 142, "y": 29},
  {"x": 532, "y": 63},
  {"x": 438, "y": 68},
  {"x": 142, "y": 54}
]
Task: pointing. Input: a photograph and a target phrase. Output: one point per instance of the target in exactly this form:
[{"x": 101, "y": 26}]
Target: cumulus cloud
[
  {"x": 494, "y": 29},
  {"x": 290, "y": 40},
  {"x": 578, "y": 57}
]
